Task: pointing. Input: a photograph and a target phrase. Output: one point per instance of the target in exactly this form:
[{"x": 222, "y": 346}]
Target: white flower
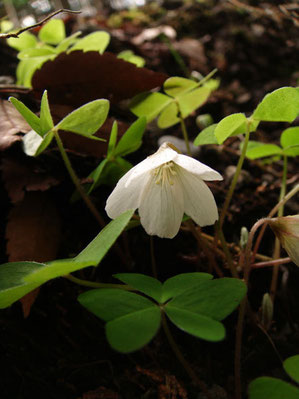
[{"x": 163, "y": 187}]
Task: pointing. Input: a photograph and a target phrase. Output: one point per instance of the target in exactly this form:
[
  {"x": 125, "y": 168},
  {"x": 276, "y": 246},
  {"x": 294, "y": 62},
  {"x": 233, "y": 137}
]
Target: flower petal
[
  {"x": 162, "y": 208},
  {"x": 199, "y": 202},
  {"x": 125, "y": 197},
  {"x": 163, "y": 155},
  {"x": 196, "y": 167}
]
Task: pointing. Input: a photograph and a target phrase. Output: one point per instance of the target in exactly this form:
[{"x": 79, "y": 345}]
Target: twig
[
  {"x": 16, "y": 34},
  {"x": 271, "y": 263},
  {"x": 13, "y": 89}
]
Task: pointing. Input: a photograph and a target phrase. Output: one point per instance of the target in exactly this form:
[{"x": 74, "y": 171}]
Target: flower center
[{"x": 164, "y": 173}]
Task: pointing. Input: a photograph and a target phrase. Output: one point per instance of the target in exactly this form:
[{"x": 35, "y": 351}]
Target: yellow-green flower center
[{"x": 164, "y": 173}]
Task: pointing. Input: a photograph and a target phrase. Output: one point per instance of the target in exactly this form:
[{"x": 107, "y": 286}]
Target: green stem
[
  {"x": 176, "y": 55},
  {"x": 76, "y": 181},
  {"x": 183, "y": 125},
  {"x": 227, "y": 202},
  {"x": 181, "y": 358},
  {"x": 83, "y": 194},
  {"x": 93, "y": 284},
  {"x": 185, "y": 134},
  {"x": 235, "y": 178},
  {"x": 276, "y": 253},
  {"x": 206, "y": 78}
]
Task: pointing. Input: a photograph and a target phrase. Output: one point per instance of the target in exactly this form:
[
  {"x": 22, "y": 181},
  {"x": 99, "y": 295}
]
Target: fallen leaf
[
  {"x": 28, "y": 300},
  {"x": 33, "y": 234},
  {"x": 77, "y": 78},
  {"x": 21, "y": 175},
  {"x": 11, "y": 123}
]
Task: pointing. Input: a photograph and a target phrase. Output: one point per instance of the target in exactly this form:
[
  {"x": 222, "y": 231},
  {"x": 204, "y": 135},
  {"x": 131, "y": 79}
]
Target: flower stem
[
  {"x": 227, "y": 202},
  {"x": 276, "y": 253},
  {"x": 185, "y": 134},
  {"x": 181, "y": 358},
  {"x": 93, "y": 284},
  {"x": 76, "y": 181},
  {"x": 235, "y": 178}
]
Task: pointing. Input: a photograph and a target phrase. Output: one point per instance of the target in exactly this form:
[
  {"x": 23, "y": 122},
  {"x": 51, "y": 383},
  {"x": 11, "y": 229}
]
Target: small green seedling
[
  {"x": 183, "y": 96},
  {"x": 289, "y": 146},
  {"x": 279, "y": 106},
  {"x": 84, "y": 121},
  {"x": 51, "y": 41}
]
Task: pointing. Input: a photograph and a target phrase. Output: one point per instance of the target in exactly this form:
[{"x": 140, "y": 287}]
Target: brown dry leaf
[
  {"x": 77, "y": 78},
  {"x": 28, "y": 300},
  {"x": 21, "y": 175},
  {"x": 33, "y": 234},
  {"x": 11, "y": 122}
]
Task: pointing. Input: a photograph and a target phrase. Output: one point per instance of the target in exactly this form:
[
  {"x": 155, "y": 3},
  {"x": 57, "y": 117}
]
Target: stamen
[{"x": 164, "y": 173}]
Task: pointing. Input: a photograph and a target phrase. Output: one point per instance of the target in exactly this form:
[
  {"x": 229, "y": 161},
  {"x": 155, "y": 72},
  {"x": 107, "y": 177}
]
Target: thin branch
[
  {"x": 16, "y": 34},
  {"x": 271, "y": 263},
  {"x": 10, "y": 88}
]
